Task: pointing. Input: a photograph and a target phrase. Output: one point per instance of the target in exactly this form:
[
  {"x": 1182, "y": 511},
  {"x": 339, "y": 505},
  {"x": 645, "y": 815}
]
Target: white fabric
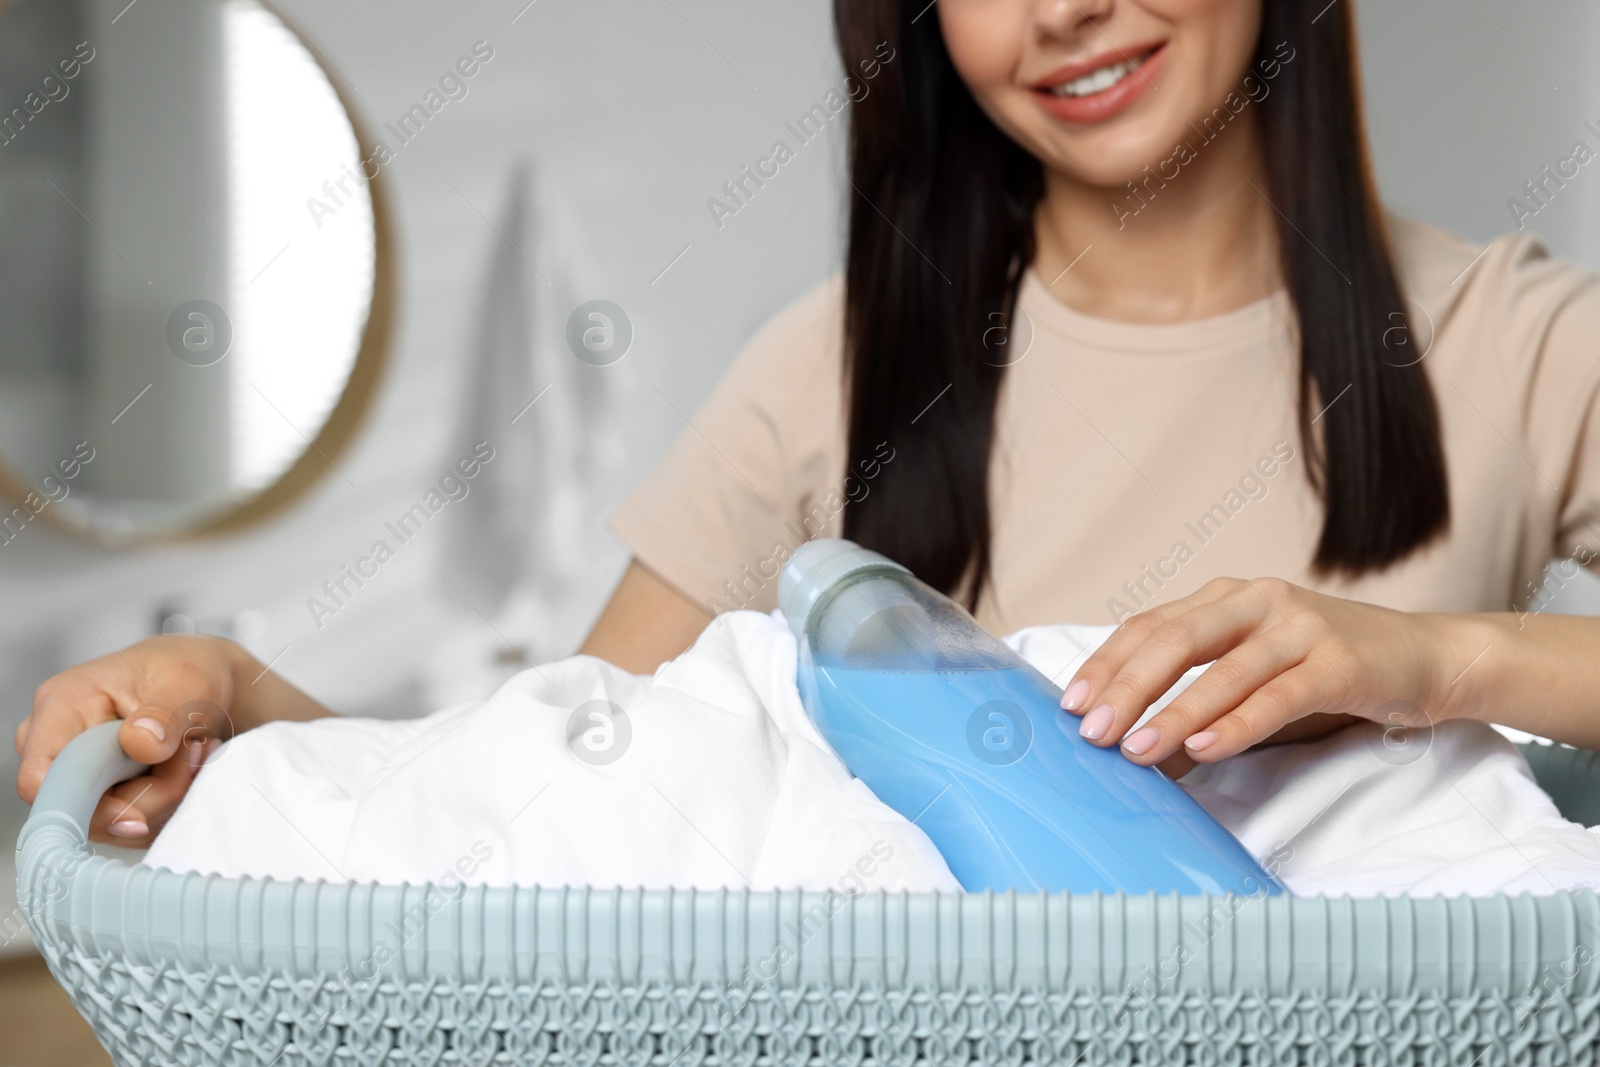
[
  {"x": 1370, "y": 811},
  {"x": 726, "y": 783}
]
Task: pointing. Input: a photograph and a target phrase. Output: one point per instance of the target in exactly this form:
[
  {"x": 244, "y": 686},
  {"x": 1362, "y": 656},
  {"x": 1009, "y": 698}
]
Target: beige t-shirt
[{"x": 1133, "y": 463}]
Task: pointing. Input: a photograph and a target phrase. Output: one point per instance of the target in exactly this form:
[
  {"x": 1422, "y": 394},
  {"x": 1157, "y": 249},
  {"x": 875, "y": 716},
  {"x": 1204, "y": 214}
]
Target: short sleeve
[
  {"x": 738, "y": 490},
  {"x": 1549, "y": 324},
  {"x": 1574, "y": 370},
  {"x": 1516, "y": 372}
]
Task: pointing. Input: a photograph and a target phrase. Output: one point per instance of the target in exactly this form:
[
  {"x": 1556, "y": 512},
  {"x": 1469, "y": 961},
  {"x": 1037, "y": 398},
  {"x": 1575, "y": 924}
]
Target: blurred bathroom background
[{"x": 371, "y": 338}]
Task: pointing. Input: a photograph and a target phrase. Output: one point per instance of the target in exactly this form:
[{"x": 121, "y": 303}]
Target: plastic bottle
[{"x": 954, "y": 730}]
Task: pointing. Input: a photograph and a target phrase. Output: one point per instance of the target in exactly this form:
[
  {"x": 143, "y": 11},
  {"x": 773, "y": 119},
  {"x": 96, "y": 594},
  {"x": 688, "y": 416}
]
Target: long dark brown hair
[{"x": 941, "y": 225}]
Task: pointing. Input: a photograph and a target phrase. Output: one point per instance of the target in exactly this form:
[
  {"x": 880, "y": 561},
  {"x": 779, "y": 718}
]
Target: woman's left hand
[{"x": 1281, "y": 653}]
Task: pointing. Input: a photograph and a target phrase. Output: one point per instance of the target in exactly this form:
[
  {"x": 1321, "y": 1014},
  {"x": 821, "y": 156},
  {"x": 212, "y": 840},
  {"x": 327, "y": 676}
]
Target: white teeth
[{"x": 1099, "y": 81}]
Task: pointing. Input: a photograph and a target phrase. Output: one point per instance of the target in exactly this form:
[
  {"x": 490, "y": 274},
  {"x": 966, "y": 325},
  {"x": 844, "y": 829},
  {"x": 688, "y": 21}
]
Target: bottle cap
[{"x": 814, "y": 567}]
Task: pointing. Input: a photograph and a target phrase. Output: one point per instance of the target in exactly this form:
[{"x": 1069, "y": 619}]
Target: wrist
[
  {"x": 1462, "y": 644},
  {"x": 244, "y": 670}
]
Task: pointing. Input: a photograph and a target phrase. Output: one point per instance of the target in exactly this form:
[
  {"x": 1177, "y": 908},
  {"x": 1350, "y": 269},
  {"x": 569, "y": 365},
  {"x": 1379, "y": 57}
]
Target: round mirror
[{"x": 195, "y": 284}]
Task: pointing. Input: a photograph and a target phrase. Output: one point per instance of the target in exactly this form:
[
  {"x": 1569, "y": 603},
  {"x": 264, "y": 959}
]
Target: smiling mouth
[{"x": 1099, "y": 81}]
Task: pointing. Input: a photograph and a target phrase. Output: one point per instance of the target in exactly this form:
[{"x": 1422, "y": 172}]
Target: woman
[{"x": 1123, "y": 334}]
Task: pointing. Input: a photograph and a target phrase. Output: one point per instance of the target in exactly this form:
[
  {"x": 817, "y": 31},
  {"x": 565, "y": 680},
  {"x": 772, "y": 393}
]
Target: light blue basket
[{"x": 189, "y": 969}]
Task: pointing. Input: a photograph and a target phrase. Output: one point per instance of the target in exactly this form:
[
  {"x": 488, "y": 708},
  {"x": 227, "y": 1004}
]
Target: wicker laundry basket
[{"x": 189, "y": 969}]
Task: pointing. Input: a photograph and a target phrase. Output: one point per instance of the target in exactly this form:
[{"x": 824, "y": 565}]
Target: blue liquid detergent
[
  {"x": 1065, "y": 815},
  {"x": 953, "y": 730}
]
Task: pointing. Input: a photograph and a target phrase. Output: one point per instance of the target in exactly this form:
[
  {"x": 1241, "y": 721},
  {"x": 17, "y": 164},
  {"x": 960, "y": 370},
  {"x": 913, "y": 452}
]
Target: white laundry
[
  {"x": 723, "y": 781},
  {"x": 1448, "y": 810}
]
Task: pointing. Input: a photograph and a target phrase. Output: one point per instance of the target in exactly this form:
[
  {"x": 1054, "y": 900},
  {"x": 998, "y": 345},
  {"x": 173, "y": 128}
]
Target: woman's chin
[
  {"x": 1107, "y": 170},
  {"x": 1109, "y": 155}
]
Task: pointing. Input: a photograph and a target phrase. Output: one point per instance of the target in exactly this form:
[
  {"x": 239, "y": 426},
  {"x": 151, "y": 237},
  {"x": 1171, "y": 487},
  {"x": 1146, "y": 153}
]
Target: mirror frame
[{"x": 346, "y": 419}]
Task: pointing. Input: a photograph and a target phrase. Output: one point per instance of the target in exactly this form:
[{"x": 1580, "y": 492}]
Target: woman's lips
[{"x": 1109, "y": 102}]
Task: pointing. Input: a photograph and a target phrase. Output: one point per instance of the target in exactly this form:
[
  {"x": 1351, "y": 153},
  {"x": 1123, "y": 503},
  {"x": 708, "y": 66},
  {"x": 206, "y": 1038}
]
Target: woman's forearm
[
  {"x": 1537, "y": 673},
  {"x": 260, "y": 696},
  {"x": 647, "y": 622}
]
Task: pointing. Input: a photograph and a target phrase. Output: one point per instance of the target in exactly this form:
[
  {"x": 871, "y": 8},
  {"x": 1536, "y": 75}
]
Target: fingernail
[
  {"x": 1075, "y": 695},
  {"x": 153, "y": 726},
  {"x": 1201, "y": 741},
  {"x": 1140, "y": 741},
  {"x": 129, "y": 828},
  {"x": 1097, "y": 722}
]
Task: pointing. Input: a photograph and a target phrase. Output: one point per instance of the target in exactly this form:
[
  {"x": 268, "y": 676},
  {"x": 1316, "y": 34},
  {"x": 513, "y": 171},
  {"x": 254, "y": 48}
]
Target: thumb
[
  {"x": 167, "y": 716},
  {"x": 151, "y": 734}
]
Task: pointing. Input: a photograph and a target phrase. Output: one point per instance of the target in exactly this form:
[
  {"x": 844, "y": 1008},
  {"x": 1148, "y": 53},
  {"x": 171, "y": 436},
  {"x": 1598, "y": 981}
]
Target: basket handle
[{"x": 91, "y": 763}]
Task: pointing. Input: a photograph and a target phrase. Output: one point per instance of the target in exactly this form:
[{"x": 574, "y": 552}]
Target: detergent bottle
[{"x": 955, "y": 731}]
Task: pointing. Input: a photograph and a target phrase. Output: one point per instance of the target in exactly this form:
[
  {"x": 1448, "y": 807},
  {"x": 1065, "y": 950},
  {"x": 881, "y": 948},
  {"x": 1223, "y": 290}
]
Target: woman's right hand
[{"x": 178, "y": 697}]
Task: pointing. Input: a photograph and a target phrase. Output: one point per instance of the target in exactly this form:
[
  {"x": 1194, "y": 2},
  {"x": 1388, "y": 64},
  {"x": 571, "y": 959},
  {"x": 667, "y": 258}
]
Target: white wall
[
  {"x": 1467, "y": 101},
  {"x": 640, "y": 110},
  {"x": 639, "y": 119}
]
